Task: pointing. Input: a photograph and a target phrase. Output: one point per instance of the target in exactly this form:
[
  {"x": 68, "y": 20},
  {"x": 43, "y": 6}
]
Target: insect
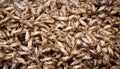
[{"x": 102, "y": 2}]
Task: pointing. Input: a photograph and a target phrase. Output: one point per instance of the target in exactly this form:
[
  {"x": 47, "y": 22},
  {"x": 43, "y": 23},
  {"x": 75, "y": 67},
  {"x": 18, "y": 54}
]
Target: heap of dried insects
[{"x": 60, "y": 34}]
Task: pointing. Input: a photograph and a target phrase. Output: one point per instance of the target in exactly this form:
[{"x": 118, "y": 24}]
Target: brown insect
[{"x": 102, "y": 2}]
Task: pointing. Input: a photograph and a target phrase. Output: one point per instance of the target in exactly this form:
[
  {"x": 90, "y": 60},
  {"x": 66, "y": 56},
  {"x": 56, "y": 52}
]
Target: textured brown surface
[{"x": 59, "y": 34}]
